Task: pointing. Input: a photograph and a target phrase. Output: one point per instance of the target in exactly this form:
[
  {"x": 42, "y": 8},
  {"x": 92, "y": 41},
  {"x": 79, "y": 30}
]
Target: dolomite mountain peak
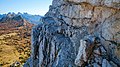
[{"x": 77, "y": 33}]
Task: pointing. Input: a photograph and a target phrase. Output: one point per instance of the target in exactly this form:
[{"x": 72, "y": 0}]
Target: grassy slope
[{"x": 14, "y": 46}]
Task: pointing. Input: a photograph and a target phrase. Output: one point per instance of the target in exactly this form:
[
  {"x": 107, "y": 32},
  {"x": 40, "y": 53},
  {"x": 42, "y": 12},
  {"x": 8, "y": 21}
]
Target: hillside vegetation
[{"x": 14, "y": 42}]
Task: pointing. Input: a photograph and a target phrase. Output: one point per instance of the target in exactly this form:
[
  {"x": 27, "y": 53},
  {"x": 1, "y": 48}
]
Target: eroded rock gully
[{"x": 75, "y": 33}]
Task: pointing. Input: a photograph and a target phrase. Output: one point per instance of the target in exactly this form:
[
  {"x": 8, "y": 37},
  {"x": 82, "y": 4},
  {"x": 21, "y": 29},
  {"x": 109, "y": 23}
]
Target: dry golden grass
[{"x": 14, "y": 47}]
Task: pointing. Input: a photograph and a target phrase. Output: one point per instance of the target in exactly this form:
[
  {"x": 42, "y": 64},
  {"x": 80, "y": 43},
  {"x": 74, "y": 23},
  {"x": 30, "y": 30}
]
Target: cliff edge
[{"x": 75, "y": 33}]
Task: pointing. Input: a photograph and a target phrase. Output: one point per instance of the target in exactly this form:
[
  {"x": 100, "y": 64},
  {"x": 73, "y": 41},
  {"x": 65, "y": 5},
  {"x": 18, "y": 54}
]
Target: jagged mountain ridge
[
  {"x": 13, "y": 21},
  {"x": 34, "y": 19},
  {"x": 10, "y": 17},
  {"x": 77, "y": 33}
]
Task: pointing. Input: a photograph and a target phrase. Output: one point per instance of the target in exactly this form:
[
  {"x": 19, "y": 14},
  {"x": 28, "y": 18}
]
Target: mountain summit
[
  {"x": 34, "y": 19},
  {"x": 13, "y": 21}
]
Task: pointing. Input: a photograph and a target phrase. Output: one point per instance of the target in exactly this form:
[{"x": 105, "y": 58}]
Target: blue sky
[{"x": 30, "y": 6}]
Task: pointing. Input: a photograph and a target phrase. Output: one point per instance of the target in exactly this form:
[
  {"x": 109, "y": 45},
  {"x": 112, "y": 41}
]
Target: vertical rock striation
[{"x": 78, "y": 33}]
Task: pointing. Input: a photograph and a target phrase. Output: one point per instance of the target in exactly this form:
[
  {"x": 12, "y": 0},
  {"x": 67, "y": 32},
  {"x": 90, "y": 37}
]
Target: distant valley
[{"x": 15, "y": 38}]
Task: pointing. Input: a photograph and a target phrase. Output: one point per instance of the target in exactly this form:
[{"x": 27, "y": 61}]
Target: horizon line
[{"x": 21, "y": 13}]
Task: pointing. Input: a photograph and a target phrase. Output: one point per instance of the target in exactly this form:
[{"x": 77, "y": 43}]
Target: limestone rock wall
[{"x": 78, "y": 33}]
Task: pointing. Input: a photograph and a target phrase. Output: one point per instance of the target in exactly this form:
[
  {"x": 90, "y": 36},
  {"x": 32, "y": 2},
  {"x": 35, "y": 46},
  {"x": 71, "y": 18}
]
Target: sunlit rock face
[{"x": 78, "y": 33}]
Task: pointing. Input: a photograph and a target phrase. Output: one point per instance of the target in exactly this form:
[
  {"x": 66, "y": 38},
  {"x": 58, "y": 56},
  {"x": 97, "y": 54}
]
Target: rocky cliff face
[{"x": 78, "y": 33}]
